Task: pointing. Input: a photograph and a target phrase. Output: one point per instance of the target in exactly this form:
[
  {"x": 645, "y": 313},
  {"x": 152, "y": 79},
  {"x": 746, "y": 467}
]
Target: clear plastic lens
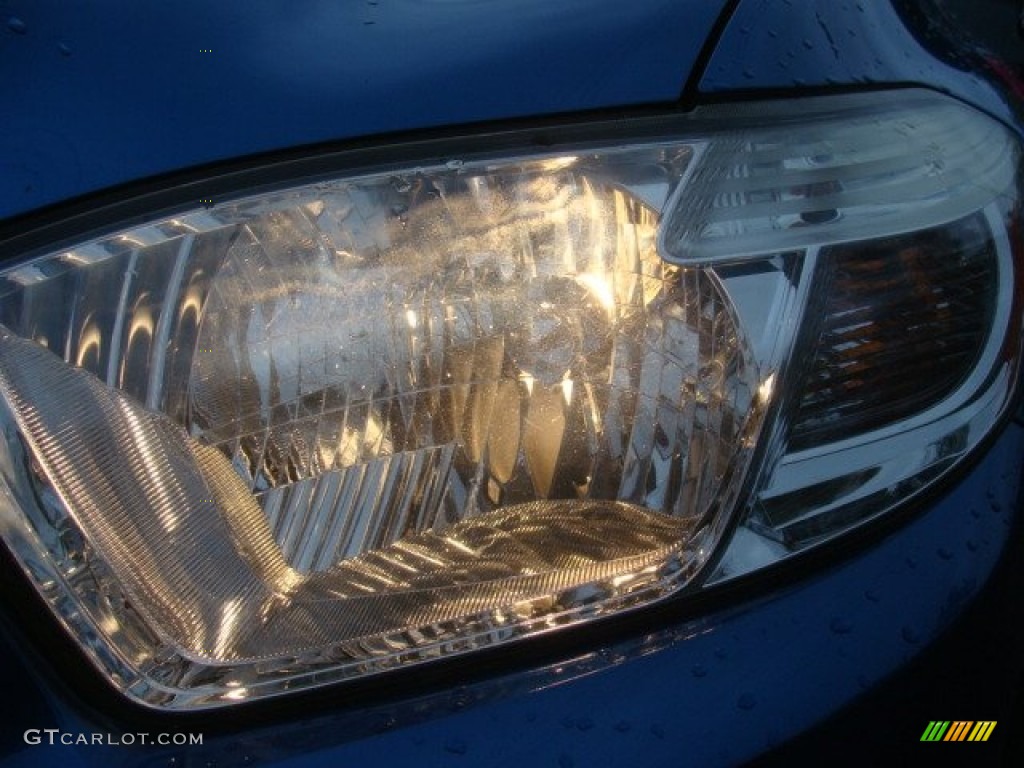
[
  {"x": 833, "y": 172},
  {"x": 396, "y": 416},
  {"x": 360, "y": 421}
]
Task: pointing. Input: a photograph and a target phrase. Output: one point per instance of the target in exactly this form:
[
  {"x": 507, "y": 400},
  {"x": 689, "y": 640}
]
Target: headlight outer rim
[{"x": 56, "y": 225}]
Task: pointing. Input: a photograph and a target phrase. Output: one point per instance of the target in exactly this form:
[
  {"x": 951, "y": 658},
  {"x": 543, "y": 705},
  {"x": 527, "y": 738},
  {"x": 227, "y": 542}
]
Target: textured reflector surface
[{"x": 904, "y": 321}]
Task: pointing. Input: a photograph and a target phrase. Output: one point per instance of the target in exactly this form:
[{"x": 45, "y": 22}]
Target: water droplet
[
  {"x": 698, "y": 670},
  {"x": 872, "y": 595},
  {"x": 623, "y": 726},
  {"x": 64, "y": 50},
  {"x": 455, "y": 746},
  {"x": 840, "y": 626},
  {"x": 746, "y": 702},
  {"x": 975, "y": 514},
  {"x": 454, "y": 165},
  {"x": 567, "y": 722},
  {"x": 584, "y": 724},
  {"x": 566, "y": 761},
  {"x": 945, "y": 554},
  {"x": 658, "y": 730},
  {"x": 808, "y": 44},
  {"x": 910, "y": 635},
  {"x": 972, "y": 545},
  {"x": 996, "y": 507},
  {"x": 748, "y": 74},
  {"x": 720, "y": 654},
  {"x": 911, "y": 562},
  {"x": 17, "y": 26}
]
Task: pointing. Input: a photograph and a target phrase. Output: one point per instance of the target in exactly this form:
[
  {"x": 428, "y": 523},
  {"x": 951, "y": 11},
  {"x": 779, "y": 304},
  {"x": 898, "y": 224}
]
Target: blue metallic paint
[
  {"x": 136, "y": 94},
  {"x": 775, "y": 45}
]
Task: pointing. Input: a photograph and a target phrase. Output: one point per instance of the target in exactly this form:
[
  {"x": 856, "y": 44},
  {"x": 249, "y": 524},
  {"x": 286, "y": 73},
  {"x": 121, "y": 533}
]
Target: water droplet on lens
[
  {"x": 808, "y": 44},
  {"x": 910, "y": 635},
  {"x": 911, "y": 562},
  {"x": 945, "y": 554},
  {"x": 698, "y": 670},
  {"x": 584, "y": 724},
  {"x": 17, "y": 26},
  {"x": 872, "y": 595},
  {"x": 972, "y": 545},
  {"x": 746, "y": 702},
  {"x": 623, "y": 726},
  {"x": 748, "y": 74},
  {"x": 658, "y": 730},
  {"x": 64, "y": 50},
  {"x": 720, "y": 654},
  {"x": 840, "y": 626}
]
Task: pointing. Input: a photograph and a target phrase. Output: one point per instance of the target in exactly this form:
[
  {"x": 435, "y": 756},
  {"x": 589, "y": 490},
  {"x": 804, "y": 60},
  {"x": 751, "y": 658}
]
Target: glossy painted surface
[
  {"x": 98, "y": 93},
  {"x": 723, "y": 688},
  {"x": 769, "y": 44}
]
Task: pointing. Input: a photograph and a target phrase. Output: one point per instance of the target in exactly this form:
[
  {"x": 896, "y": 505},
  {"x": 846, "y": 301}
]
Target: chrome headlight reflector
[{"x": 404, "y": 413}]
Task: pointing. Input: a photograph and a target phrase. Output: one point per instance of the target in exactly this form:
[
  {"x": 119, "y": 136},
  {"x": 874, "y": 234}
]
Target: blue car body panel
[
  {"x": 108, "y": 92},
  {"x": 105, "y": 92},
  {"x": 769, "y": 45}
]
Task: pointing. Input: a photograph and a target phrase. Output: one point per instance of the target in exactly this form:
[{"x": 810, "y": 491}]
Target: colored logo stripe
[
  {"x": 982, "y": 730},
  {"x": 959, "y": 730},
  {"x": 935, "y": 730}
]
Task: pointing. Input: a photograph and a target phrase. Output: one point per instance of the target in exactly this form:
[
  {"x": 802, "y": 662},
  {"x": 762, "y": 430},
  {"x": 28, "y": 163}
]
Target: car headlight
[{"x": 405, "y": 411}]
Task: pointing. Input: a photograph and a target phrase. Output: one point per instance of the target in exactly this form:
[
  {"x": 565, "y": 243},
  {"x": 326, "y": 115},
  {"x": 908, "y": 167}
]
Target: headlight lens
[{"x": 402, "y": 414}]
